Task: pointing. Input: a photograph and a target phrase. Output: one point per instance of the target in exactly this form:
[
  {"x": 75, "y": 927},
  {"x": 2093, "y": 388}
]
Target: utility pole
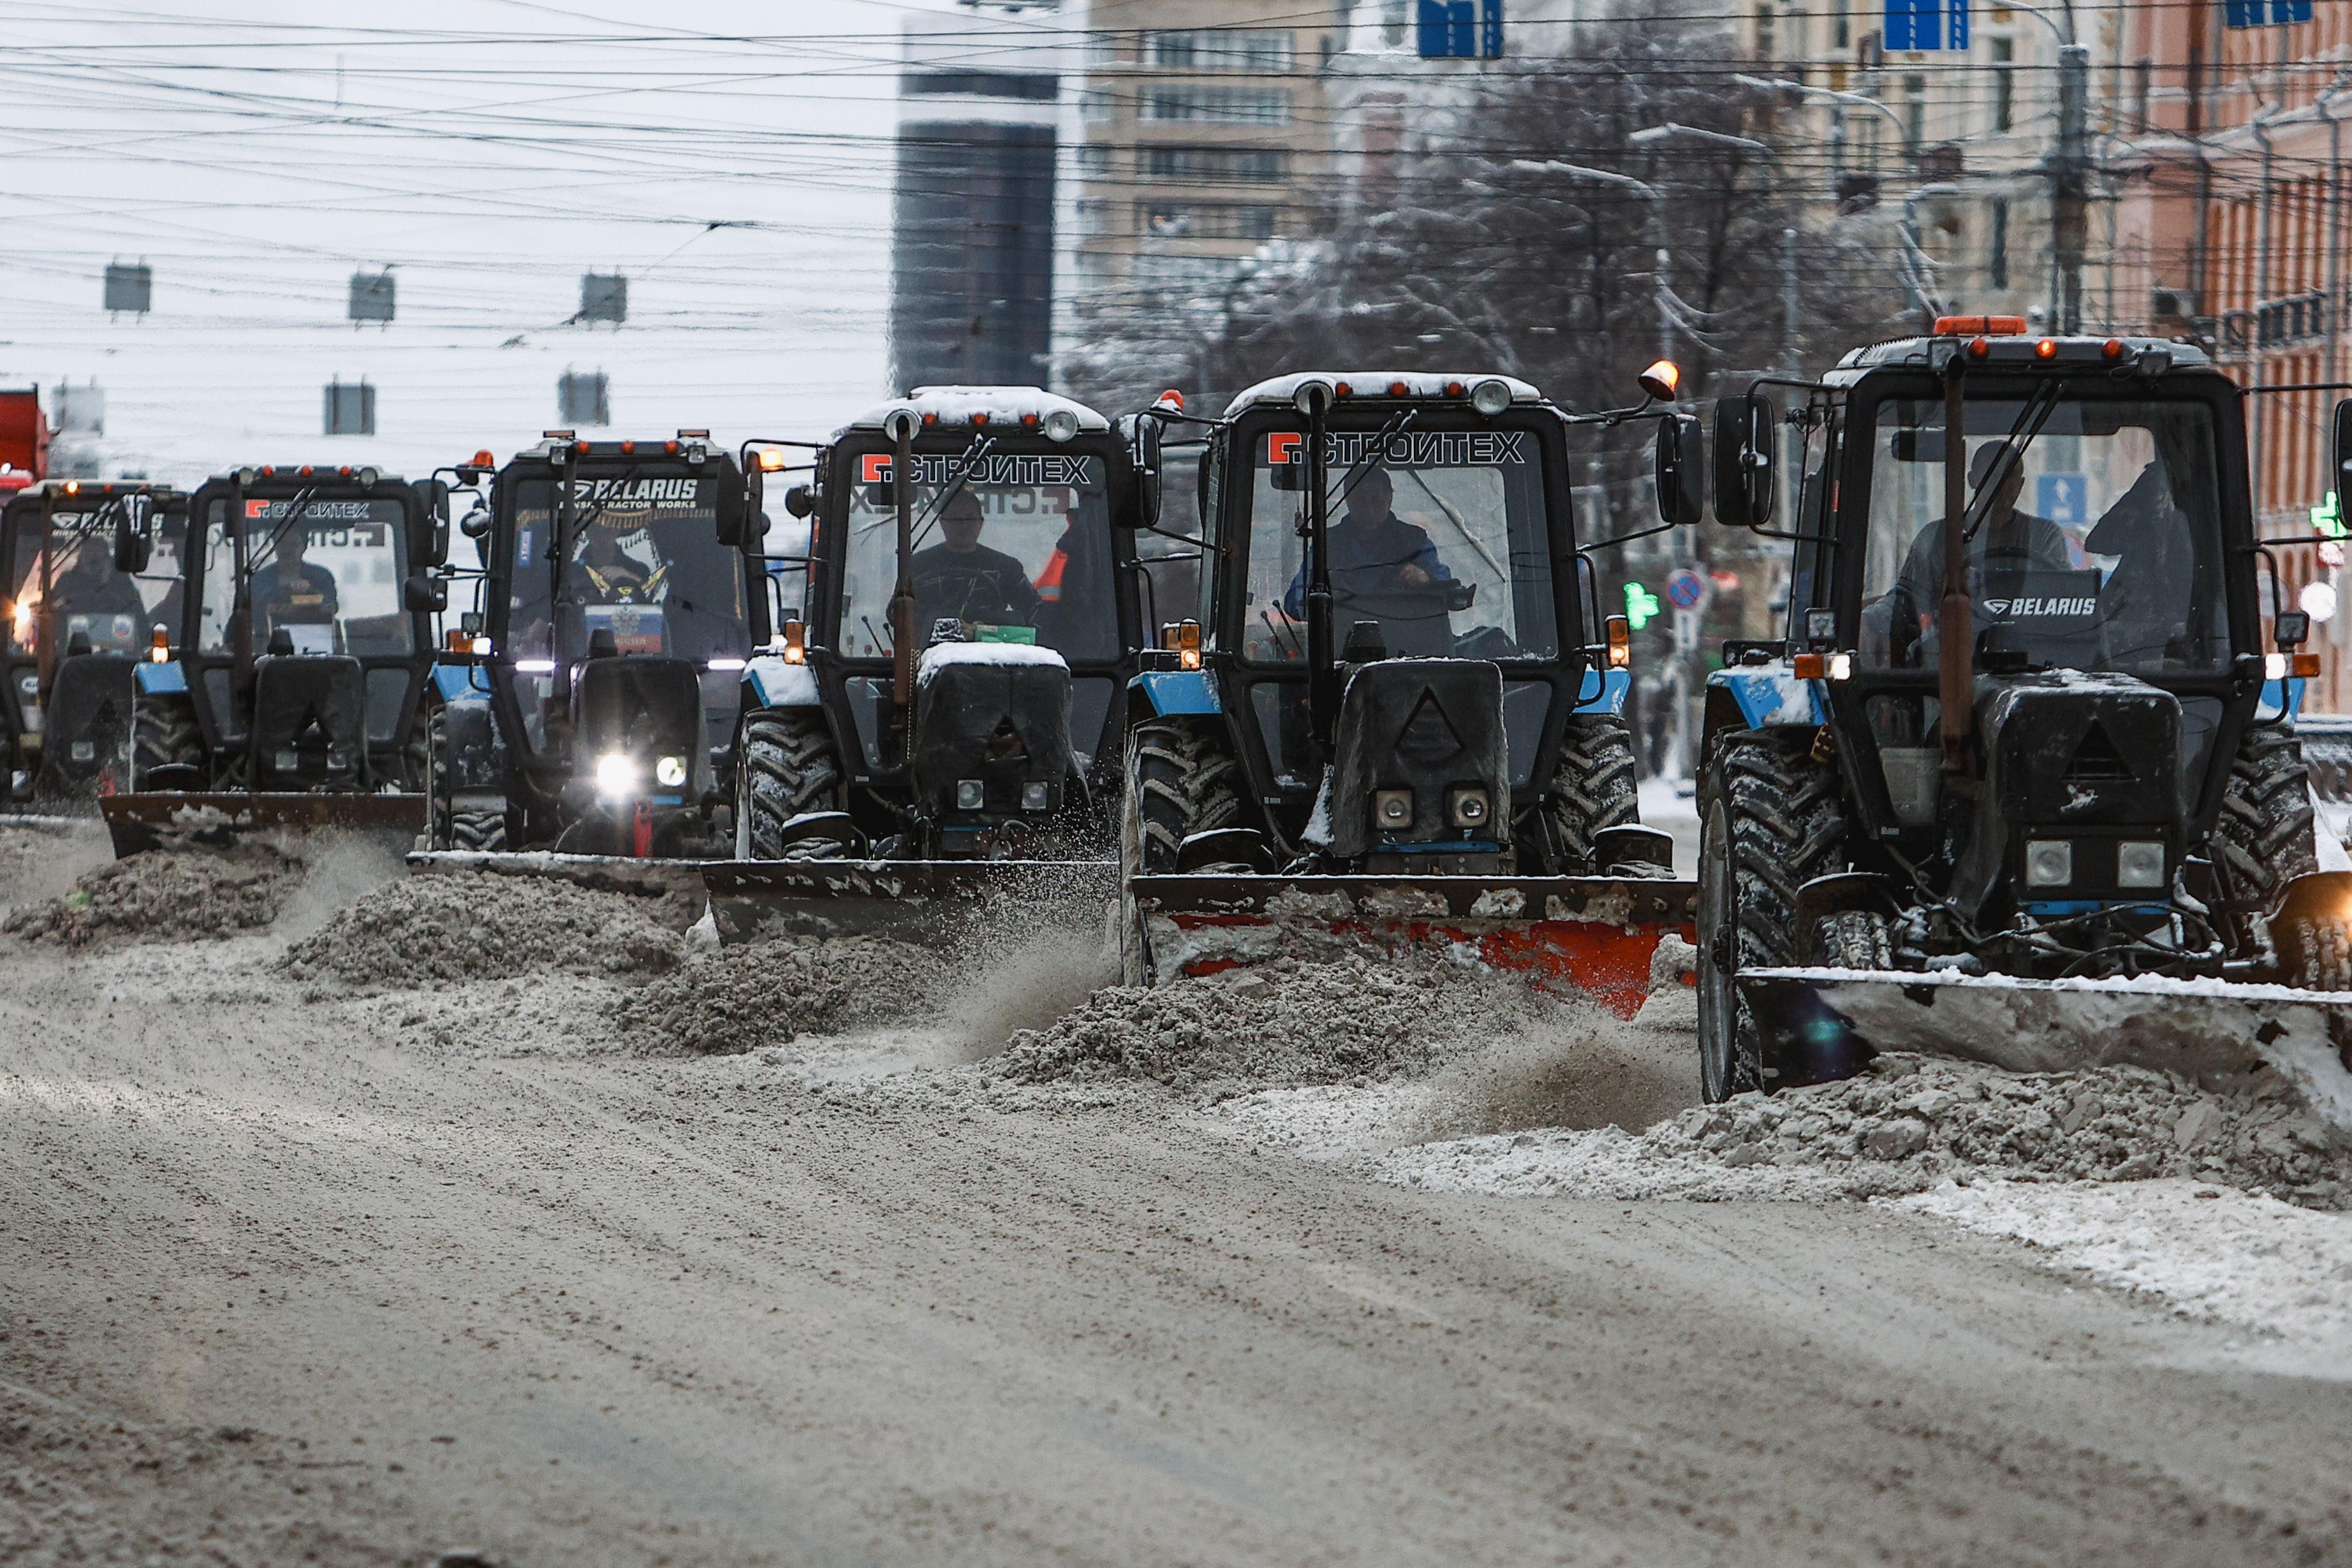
[{"x": 2070, "y": 185}]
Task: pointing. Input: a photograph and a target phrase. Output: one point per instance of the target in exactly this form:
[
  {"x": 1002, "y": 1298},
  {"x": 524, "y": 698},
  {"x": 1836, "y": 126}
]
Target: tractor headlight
[
  {"x": 1470, "y": 808},
  {"x": 1491, "y": 396},
  {"x": 1061, "y": 426},
  {"x": 1393, "y": 809},
  {"x": 2049, "y": 863},
  {"x": 970, "y": 795},
  {"x": 1035, "y": 795},
  {"x": 2139, "y": 864},
  {"x": 670, "y": 772},
  {"x": 616, "y": 774}
]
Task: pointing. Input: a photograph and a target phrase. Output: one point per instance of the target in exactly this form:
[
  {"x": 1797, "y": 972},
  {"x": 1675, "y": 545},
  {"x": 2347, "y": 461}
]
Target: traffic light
[{"x": 1642, "y": 606}]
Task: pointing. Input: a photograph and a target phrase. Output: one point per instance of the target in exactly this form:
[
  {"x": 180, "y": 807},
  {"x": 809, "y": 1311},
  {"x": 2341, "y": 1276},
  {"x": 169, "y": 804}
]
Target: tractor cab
[
  {"x": 85, "y": 603},
  {"x": 617, "y": 620},
  {"x": 2028, "y": 721}
]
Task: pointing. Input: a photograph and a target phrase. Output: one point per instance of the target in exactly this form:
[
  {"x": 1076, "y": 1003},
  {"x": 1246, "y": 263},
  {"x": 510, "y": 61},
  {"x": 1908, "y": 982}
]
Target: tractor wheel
[
  {"x": 478, "y": 832},
  {"x": 1771, "y": 821},
  {"x": 1855, "y": 939},
  {"x": 2264, "y": 836},
  {"x": 1593, "y": 789},
  {"x": 784, "y": 765},
  {"x": 164, "y": 734},
  {"x": 1181, "y": 778},
  {"x": 2317, "y": 953}
]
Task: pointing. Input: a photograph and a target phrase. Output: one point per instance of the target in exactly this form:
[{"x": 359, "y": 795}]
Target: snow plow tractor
[
  {"x": 84, "y": 602},
  {"x": 939, "y": 725},
  {"x": 2026, "y": 788},
  {"x": 588, "y": 701},
  {"x": 291, "y": 692},
  {"x": 1395, "y": 720}
]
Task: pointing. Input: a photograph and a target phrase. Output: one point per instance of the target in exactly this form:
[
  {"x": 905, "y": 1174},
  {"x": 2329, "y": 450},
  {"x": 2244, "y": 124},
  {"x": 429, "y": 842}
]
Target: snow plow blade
[
  {"x": 916, "y": 900},
  {"x": 167, "y": 820},
  {"x": 604, "y": 873},
  {"x": 1589, "y": 935},
  {"x": 1823, "y": 1024}
]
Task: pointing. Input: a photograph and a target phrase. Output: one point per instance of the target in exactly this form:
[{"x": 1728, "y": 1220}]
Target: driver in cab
[
  {"x": 1900, "y": 626},
  {"x": 289, "y": 590},
  {"x": 605, "y": 574},
  {"x": 959, "y": 578},
  {"x": 1373, "y": 550}
]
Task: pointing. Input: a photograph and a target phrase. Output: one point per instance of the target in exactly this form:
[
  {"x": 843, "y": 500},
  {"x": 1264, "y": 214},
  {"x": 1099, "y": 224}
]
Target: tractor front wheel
[
  {"x": 1181, "y": 778},
  {"x": 1592, "y": 789},
  {"x": 1771, "y": 820},
  {"x": 785, "y": 765},
  {"x": 164, "y": 734}
]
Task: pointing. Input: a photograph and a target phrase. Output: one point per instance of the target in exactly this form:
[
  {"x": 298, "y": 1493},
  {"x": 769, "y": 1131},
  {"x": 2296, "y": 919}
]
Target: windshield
[
  {"x": 645, "y": 565},
  {"x": 2101, "y": 550},
  {"x": 114, "y": 609},
  {"x": 1019, "y": 552},
  {"x": 1439, "y": 535},
  {"x": 324, "y": 569}
]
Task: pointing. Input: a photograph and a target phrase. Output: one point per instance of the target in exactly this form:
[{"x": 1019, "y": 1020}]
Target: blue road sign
[
  {"x": 1685, "y": 589},
  {"x": 2064, "y": 499},
  {"x": 1940, "y": 24},
  {"x": 1461, "y": 29},
  {"x": 2265, "y": 13}
]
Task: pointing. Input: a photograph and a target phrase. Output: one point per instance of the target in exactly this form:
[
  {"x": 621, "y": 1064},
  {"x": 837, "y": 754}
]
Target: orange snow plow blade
[
  {"x": 1575, "y": 935},
  {"x": 165, "y": 820}
]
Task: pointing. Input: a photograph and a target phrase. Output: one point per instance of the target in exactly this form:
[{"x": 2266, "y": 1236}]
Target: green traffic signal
[{"x": 1642, "y": 606}]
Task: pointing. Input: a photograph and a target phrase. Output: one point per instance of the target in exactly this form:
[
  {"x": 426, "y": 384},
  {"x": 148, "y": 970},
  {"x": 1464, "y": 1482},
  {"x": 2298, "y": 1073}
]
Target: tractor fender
[
  {"x": 169, "y": 680},
  {"x": 1770, "y": 696},
  {"x": 770, "y": 681},
  {"x": 1603, "y": 691},
  {"x": 1169, "y": 694},
  {"x": 462, "y": 684}
]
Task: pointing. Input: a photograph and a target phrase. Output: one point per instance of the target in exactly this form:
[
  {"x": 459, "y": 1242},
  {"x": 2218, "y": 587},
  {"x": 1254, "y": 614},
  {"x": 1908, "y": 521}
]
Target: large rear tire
[
  {"x": 1771, "y": 821},
  {"x": 785, "y": 765},
  {"x": 1593, "y": 789},
  {"x": 1181, "y": 778},
  {"x": 472, "y": 832},
  {"x": 164, "y": 734},
  {"x": 2265, "y": 837}
]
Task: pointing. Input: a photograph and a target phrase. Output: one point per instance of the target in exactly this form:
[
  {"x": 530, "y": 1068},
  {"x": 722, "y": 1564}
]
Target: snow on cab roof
[
  {"x": 1377, "y": 384},
  {"x": 956, "y": 405}
]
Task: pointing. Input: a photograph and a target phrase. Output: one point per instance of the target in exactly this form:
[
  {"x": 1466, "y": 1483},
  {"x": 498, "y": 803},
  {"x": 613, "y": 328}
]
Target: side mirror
[
  {"x": 728, "y": 509},
  {"x": 132, "y": 544},
  {"x": 1200, "y": 491},
  {"x": 476, "y": 524},
  {"x": 428, "y": 542},
  {"x": 801, "y": 500},
  {"x": 1682, "y": 491},
  {"x": 1145, "y": 453},
  {"x": 2341, "y": 452},
  {"x": 1744, "y": 428},
  {"x": 422, "y": 595}
]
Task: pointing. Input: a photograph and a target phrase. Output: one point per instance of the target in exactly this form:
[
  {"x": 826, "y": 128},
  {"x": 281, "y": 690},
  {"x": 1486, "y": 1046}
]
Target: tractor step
[
  {"x": 166, "y": 820},
  {"x": 1821, "y": 1024},
  {"x": 1589, "y": 935},
  {"x": 917, "y": 900}
]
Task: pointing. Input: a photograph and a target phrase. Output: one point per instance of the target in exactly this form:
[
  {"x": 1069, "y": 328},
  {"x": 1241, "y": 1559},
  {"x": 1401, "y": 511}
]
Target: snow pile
[
  {"x": 166, "y": 896},
  {"x": 746, "y": 999},
  {"x": 1290, "y": 1022},
  {"x": 2222, "y": 1257},
  {"x": 40, "y": 861},
  {"x": 439, "y": 928},
  {"x": 1909, "y": 1123}
]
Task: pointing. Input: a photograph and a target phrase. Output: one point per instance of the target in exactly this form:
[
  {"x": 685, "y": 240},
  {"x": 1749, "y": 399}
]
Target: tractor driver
[
  {"x": 289, "y": 590},
  {"x": 1895, "y": 628},
  {"x": 90, "y": 585},
  {"x": 1373, "y": 550},
  {"x": 959, "y": 578}
]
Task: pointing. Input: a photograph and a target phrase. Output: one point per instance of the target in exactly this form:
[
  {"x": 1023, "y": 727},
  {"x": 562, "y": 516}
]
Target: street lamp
[
  {"x": 1831, "y": 95},
  {"x": 1651, "y": 136},
  {"x": 1657, "y": 201}
]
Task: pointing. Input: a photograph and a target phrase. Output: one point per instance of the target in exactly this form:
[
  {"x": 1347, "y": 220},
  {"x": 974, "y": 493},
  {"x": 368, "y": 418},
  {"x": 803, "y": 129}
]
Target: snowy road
[{"x": 271, "y": 1283}]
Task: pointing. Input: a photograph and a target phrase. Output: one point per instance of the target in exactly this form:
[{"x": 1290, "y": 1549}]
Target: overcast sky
[{"x": 489, "y": 151}]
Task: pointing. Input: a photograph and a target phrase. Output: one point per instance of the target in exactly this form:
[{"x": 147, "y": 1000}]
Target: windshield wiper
[
  {"x": 2030, "y": 420},
  {"x": 981, "y": 445},
  {"x": 1401, "y": 421}
]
